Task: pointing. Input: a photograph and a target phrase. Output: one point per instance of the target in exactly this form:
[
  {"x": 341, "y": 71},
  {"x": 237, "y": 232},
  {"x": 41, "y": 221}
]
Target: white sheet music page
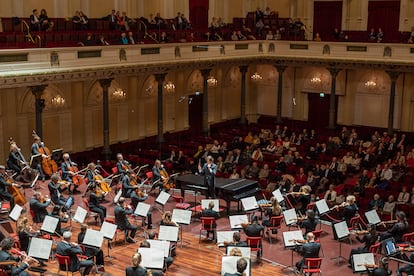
[
  {"x": 108, "y": 230},
  {"x": 290, "y": 237},
  {"x": 40, "y": 248},
  {"x": 168, "y": 233},
  {"x": 181, "y": 216},
  {"x": 290, "y": 216},
  {"x": 341, "y": 229},
  {"x": 117, "y": 196},
  {"x": 80, "y": 215},
  {"x": 322, "y": 206},
  {"x": 244, "y": 250},
  {"x": 372, "y": 217},
  {"x": 16, "y": 212},
  {"x": 206, "y": 202},
  {"x": 224, "y": 236},
  {"x": 49, "y": 224},
  {"x": 249, "y": 203},
  {"x": 161, "y": 245},
  {"x": 151, "y": 258},
  {"x": 360, "y": 260},
  {"x": 229, "y": 265},
  {"x": 93, "y": 238},
  {"x": 237, "y": 220},
  {"x": 162, "y": 198},
  {"x": 142, "y": 209},
  {"x": 278, "y": 195}
]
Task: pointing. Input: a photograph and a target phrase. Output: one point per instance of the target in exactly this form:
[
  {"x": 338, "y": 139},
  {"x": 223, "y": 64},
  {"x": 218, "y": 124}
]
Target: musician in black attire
[
  {"x": 90, "y": 251},
  {"x": 37, "y": 144},
  {"x": 121, "y": 220},
  {"x": 137, "y": 196},
  {"x": 156, "y": 180},
  {"x": 209, "y": 171},
  {"x": 55, "y": 189},
  {"x": 121, "y": 164},
  {"x": 254, "y": 229},
  {"x": 368, "y": 239},
  {"x": 136, "y": 269},
  {"x": 62, "y": 216},
  {"x": 310, "y": 222},
  {"x": 409, "y": 269},
  {"x": 350, "y": 209},
  {"x": 15, "y": 160},
  {"x": 3, "y": 187},
  {"x": 241, "y": 266},
  {"x": 6, "y": 244},
  {"x": 94, "y": 202},
  {"x": 67, "y": 170},
  {"x": 39, "y": 208},
  {"x": 209, "y": 212},
  {"x": 310, "y": 249},
  {"x": 127, "y": 188},
  {"x": 236, "y": 241},
  {"x": 398, "y": 229}
]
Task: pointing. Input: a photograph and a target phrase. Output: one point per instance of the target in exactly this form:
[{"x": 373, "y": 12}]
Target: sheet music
[
  {"x": 161, "y": 245},
  {"x": 142, "y": 209},
  {"x": 181, "y": 216},
  {"x": 151, "y": 258},
  {"x": 229, "y": 265},
  {"x": 244, "y": 250},
  {"x": 360, "y": 260},
  {"x": 237, "y": 220},
  {"x": 108, "y": 230},
  {"x": 168, "y": 233},
  {"x": 289, "y": 237},
  {"x": 117, "y": 196},
  {"x": 93, "y": 238},
  {"x": 224, "y": 236},
  {"x": 69, "y": 202},
  {"x": 49, "y": 224},
  {"x": 16, "y": 212},
  {"x": 372, "y": 217},
  {"x": 341, "y": 229},
  {"x": 162, "y": 198},
  {"x": 290, "y": 216},
  {"x": 80, "y": 215},
  {"x": 249, "y": 203},
  {"x": 40, "y": 248},
  {"x": 278, "y": 195},
  {"x": 322, "y": 206},
  {"x": 206, "y": 202}
]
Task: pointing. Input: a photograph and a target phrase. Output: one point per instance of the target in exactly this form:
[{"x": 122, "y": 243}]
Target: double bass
[
  {"x": 49, "y": 166},
  {"x": 28, "y": 174}
]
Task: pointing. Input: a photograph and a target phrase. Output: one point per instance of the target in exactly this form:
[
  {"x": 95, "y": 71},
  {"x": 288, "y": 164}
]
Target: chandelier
[
  {"x": 58, "y": 101},
  {"x": 256, "y": 77},
  {"x": 316, "y": 80},
  {"x": 211, "y": 81},
  {"x": 119, "y": 93},
  {"x": 370, "y": 84},
  {"x": 169, "y": 87}
]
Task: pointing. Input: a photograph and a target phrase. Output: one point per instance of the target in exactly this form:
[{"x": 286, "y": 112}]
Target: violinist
[
  {"x": 137, "y": 195},
  {"x": 69, "y": 171},
  {"x": 38, "y": 204},
  {"x": 369, "y": 238},
  {"x": 95, "y": 197},
  {"x": 122, "y": 221},
  {"x": 310, "y": 249},
  {"x": 236, "y": 241},
  {"x": 122, "y": 165},
  {"x": 35, "y": 150},
  {"x": 310, "y": 222},
  {"x": 6, "y": 245},
  {"x": 25, "y": 233},
  {"x": 274, "y": 210},
  {"x": 93, "y": 176},
  {"x": 67, "y": 248},
  {"x": 4, "y": 194},
  {"x": 127, "y": 187},
  {"x": 350, "y": 209},
  {"x": 398, "y": 229},
  {"x": 56, "y": 187},
  {"x": 90, "y": 251}
]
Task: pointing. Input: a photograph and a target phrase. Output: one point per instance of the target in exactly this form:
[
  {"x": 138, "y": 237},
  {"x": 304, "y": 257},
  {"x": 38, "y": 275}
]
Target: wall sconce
[
  {"x": 256, "y": 77},
  {"x": 370, "y": 84},
  {"x": 169, "y": 87},
  {"x": 58, "y": 101},
  {"x": 211, "y": 81},
  {"x": 316, "y": 80},
  {"x": 119, "y": 94}
]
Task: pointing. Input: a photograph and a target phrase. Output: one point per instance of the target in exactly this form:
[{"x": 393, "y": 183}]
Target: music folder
[
  {"x": 40, "y": 248},
  {"x": 290, "y": 237},
  {"x": 372, "y": 217},
  {"x": 93, "y": 238},
  {"x": 249, "y": 203},
  {"x": 151, "y": 258},
  {"x": 16, "y": 212},
  {"x": 108, "y": 230},
  {"x": 206, "y": 202},
  {"x": 80, "y": 215},
  {"x": 341, "y": 229},
  {"x": 142, "y": 209},
  {"x": 360, "y": 260},
  {"x": 237, "y": 220},
  {"x": 49, "y": 224},
  {"x": 161, "y": 245},
  {"x": 35, "y": 160},
  {"x": 168, "y": 233},
  {"x": 117, "y": 196},
  {"x": 322, "y": 206},
  {"x": 224, "y": 236},
  {"x": 229, "y": 265},
  {"x": 162, "y": 198},
  {"x": 278, "y": 195},
  {"x": 181, "y": 216},
  {"x": 290, "y": 216}
]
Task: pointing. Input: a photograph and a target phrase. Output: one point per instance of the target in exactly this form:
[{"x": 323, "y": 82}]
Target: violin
[
  {"x": 298, "y": 241},
  {"x": 49, "y": 166}
]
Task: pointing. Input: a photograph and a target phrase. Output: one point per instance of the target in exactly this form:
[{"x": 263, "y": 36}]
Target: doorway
[
  {"x": 318, "y": 110},
  {"x": 195, "y": 113}
]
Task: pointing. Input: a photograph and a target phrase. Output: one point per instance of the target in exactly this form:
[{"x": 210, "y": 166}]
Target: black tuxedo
[
  {"x": 16, "y": 271},
  {"x": 136, "y": 271},
  {"x": 121, "y": 220},
  {"x": 55, "y": 196},
  {"x": 65, "y": 249},
  {"x": 94, "y": 205},
  {"x": 126, "y": 186},
  {"x": 308, "y": 250},
  {"x": 91, "y": 251},
  {"x": 4, "y": 193},
  {"x": 209, "y": 173},
  {"x": 39, "y": 210}
]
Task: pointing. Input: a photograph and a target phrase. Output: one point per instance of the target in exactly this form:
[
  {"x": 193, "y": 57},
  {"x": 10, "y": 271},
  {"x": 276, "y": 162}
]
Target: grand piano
[{"x": 226, "y": 188}]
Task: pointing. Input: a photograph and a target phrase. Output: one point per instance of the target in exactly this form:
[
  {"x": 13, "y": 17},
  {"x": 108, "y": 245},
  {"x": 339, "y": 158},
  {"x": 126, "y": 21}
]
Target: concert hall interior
[{"x": 134, "y": 124}]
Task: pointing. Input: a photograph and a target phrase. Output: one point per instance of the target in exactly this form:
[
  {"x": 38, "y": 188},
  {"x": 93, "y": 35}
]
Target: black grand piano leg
[{"x": 228, "y": 204}]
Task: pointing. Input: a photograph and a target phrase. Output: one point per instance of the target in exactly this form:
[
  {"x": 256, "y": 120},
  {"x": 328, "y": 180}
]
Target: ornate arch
[
  {"x": 94, "y": 96},
  {"x": 232, "y": 77},
  {"x": 194, "y": 82},
  {"x": 373, "y": 81},
  {"x": 27, "y": 104},
  {"x": 316, "y": 79}
]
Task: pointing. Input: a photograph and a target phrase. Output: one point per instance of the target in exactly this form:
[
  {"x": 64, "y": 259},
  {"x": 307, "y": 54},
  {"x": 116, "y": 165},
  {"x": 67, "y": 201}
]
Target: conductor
[{"x": 209, "y": 171}]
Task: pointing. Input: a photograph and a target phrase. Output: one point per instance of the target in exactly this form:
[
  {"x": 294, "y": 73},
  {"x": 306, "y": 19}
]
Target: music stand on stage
[
  {"x": 372, "y": 217},
  {"x": 40, "y": 248},
  {"x": 16, "y": 212},
  {"x": 80, "y": 215},
  {"x": 290, "y": 217},
  {"x": 108, "y": 231},
  {"x": 93, "y": 238},
  {"x": 142, "y": 210},
  {"x": 229, "y": 265},
  {"x": 168, "y": 233},
  {"x": 162, "y": 200},
  {"x": 35, "y": 160},
  {"x": 57, "y": 155},
  {"x": 49, "y": 224},
  {"x": 224, "y": 236},
  {"x": 206, "y": 202},
  {"x": 289, "y": 240},
  {"x": 182, "y": 217},
  {"x": 278, "y": 195},
  {"x": 342, "y": 232},
  {"x": 151, "y": 257},
  {"x": 236, "y": 221},
  {"x": 117, "y": 196},
  {"x": 360, "y": 260},
  {"x": 164, "y": 246}
]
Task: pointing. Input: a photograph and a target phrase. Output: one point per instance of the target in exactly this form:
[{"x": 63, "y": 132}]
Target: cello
[
  {"x": 166, "y": 180},
  {"x": 49, "y": 166},
  {"x": 18, "y": 196}
]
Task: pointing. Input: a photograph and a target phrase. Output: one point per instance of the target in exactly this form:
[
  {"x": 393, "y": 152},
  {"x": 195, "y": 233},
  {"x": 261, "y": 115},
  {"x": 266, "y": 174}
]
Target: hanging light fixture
[
  {"x": 256, "y": 77},
  {"x": 119, "y": 94},
  {"x": 370, "y": 84},
  {"x": 58, "y": 101},
  {"x": 212, "y": 81},
  {"x": 169, "y": 87}
]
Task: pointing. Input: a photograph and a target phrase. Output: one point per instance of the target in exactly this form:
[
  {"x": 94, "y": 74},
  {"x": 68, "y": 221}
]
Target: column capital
[
  {"x": 280, "y": 68},
  {"x": 243, "y": 68},
  {"x": 160, "y": 77},
  {"x": 393, "y": 75},
  {"x": 105, "y": 83},
  {"x": 38, "y": 90},
  {"x": 205, "y": 73},
  {"x": 334, "y": 71}
]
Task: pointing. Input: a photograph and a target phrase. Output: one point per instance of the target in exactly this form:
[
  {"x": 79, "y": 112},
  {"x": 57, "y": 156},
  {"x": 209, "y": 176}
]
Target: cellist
[
  {"x": 157, "y": 180},
  {"x": 122, "y": 165},
  {"x": 35, "y": 150},
  {"x": 69, "y": 172},
  {"x": 3, "y": 187},
  {"x": 14, "y": 162}
]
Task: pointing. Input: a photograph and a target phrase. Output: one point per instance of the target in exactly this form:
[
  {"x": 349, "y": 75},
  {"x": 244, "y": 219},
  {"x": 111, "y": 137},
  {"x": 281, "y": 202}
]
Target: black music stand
[
  {"x": 341, "y": 232},
  {"x": 108, "y": 230},
  {"x": 57, "y": 155},
  {"x": 35, "y": 161}
]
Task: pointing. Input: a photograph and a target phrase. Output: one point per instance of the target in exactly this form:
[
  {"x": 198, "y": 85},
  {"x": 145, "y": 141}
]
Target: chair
[
  {"x": 275, "y": 223},
  {"x": 255, "y": 244},
  {"x": 64, "y": 261},
  {"x": 407, "y": 239},
  {"x": 375, "y": 249},
  {"x": 317, "y": 234},
  {"x": 3, "y": 267},
  {"x": 313, "y": 265},
  {"x": 207, "y": 224},
  {"x": 180, "y": 204},
  {"x": 90, "y": 213}
]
